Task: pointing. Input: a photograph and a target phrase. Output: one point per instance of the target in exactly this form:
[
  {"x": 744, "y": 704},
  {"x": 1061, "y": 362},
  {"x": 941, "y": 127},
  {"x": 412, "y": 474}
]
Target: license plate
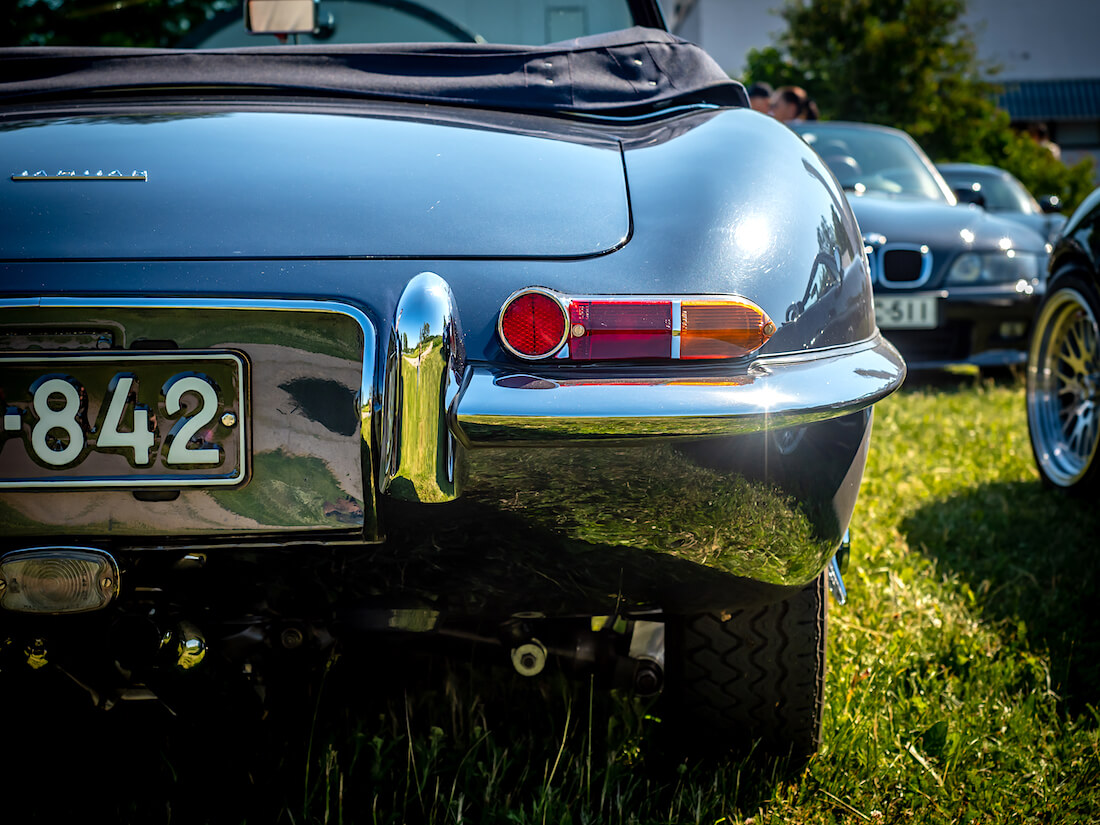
[
  {"x": 906, "y": 311},
  {"x": 123, "y": 419}
]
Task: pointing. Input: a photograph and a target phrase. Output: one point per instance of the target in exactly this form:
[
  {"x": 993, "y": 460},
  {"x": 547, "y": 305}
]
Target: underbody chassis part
[{"x": 155, "y": 655}]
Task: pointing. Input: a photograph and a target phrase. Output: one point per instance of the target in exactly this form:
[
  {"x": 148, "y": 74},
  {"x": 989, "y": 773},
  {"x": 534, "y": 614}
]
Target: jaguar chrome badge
[{"x": 86, "y": 175}]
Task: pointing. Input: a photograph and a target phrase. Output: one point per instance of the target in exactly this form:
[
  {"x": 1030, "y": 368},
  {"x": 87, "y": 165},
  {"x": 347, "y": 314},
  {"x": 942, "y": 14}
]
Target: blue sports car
[{"x": 516, "y": 326}]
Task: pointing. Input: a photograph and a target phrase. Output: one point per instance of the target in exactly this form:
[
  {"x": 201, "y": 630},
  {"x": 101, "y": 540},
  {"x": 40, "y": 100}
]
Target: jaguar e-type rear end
[{"x": 275, "y": 370}]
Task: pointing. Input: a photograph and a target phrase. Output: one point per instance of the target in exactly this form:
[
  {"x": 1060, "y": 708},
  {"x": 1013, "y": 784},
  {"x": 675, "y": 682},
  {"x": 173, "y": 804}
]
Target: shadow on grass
[
  {"x": 213, "y": 758},
  {"x": 459, "y": 738},
  {"x": 385, "y": 735},
  {"x": 1030, "y": 557}
]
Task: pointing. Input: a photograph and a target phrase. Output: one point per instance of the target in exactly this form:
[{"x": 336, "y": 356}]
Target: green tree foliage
[{"x": 911, "y": 64}]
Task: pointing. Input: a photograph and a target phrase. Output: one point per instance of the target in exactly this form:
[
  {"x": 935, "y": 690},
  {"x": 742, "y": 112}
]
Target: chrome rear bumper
[{"x": 496, "y": 408}]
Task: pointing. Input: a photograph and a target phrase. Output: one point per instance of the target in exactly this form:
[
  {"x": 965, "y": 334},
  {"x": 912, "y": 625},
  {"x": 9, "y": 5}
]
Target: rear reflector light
[
  {"x": 722, "y": 329},
  {"x": 533, "y": 324},
  {"x": 536, "y": 323},
  {"x": 57, "y": 580}
]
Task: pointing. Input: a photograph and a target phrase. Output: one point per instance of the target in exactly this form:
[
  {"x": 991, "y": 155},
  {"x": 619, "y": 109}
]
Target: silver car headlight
[{"x": 977, "y": 268}]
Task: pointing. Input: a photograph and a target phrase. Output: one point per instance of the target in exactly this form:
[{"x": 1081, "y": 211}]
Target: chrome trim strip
[
  {"x": 423, "y": 461},
  {"x": 836, "y": 582},
  {"x": 495, "y": 409},
  {"x": 677, "y": 327}
]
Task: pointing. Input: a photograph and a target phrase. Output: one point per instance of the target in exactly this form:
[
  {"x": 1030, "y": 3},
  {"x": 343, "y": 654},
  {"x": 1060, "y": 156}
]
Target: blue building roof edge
[{"x": 1051, "y": 100}]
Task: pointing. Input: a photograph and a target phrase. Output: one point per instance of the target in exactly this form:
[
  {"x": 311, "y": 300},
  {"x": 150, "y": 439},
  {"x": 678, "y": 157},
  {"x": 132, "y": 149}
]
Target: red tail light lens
[
  {"x": 722, "y": 329},
  {"x": 533, "y": 325},
  {"x": 604, "y": 330}
]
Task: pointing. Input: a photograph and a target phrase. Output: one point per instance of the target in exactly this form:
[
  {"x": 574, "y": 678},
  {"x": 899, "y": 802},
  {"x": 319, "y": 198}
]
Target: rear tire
[
  {"x": 1063, "y": 381},
  {"x": 755, "y": 676}
]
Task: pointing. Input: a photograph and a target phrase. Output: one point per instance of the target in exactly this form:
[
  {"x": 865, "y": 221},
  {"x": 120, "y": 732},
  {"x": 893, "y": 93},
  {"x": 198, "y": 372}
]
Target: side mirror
[
  {"x": 1050, "y": 204},
  {"x": 280, "y": 16},
  {"x": 970, "y": 194}
]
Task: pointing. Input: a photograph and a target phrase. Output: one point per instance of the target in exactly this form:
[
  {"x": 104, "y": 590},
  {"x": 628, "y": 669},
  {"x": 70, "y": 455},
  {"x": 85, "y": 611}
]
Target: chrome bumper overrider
[{"x": 495, "y": 408}]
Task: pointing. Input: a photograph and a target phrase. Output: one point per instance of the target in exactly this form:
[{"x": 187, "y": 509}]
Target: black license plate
[{"x": 123, "y": 419}]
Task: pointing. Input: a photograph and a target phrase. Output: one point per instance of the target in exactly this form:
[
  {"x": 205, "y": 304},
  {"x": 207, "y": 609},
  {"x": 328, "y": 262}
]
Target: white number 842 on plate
[{"x": 123, "y": 419}]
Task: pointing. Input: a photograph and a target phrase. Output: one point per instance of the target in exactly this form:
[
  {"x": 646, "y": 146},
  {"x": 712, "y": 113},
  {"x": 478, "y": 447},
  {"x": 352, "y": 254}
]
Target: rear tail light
[{"x": 537, "y": 323}]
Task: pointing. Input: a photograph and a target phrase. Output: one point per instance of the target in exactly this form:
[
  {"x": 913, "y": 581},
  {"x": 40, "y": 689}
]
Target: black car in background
[
  {"x": 1063, "y": 373},
  {"x": 1000, "y": 192},
  {"x": 953, "y": 285}
]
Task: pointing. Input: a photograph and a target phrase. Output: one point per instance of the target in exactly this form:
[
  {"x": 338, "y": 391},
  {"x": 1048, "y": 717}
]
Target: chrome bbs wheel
[{"x": 1063, "y": 378}]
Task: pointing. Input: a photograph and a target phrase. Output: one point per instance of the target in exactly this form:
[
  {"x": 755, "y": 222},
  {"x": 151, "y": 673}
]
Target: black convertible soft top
[{"x": 623, "y": 72}]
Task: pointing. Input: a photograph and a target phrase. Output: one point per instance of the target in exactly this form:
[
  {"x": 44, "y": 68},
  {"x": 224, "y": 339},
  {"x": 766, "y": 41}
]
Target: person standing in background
[
  {"x": 792, "y": 104},
  {"x": 760, "y": 97},
  {"x": 1040, "y": 134}
]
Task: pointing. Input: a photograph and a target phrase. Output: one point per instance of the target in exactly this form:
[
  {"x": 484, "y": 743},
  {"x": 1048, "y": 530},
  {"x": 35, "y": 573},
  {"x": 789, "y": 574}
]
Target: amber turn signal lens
[
  {"x": 722, "y": 329},
  {"x": 532, "y": 324}
]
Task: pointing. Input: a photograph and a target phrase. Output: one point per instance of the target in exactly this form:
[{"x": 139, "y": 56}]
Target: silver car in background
[{"x": 999, "y": 191}]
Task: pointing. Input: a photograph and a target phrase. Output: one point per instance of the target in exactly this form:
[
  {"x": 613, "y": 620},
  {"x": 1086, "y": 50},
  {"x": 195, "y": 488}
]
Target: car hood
[
  {"x": 266, "y": 184},
  {"x": 940, "y": 226}
]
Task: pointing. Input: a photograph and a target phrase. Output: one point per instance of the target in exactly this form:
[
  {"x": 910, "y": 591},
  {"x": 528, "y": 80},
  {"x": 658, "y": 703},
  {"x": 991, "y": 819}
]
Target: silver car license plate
[
  {"x": 906, "y": 311},
  {"x": 123, "y": 419}
]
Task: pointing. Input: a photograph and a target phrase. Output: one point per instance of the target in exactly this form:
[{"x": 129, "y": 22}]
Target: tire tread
[{"x": 757, "y": 674}]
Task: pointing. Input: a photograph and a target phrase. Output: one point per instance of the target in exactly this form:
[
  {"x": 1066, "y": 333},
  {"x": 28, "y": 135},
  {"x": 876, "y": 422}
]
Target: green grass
[
  {"x": 963, "y": 679},
  {"x": 963, "y": 684}
]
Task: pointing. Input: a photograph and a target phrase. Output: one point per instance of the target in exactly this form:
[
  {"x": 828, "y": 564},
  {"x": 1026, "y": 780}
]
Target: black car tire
[
  {"x": 755, "y": 676},
  {"x": 1063, "y": 379}
]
